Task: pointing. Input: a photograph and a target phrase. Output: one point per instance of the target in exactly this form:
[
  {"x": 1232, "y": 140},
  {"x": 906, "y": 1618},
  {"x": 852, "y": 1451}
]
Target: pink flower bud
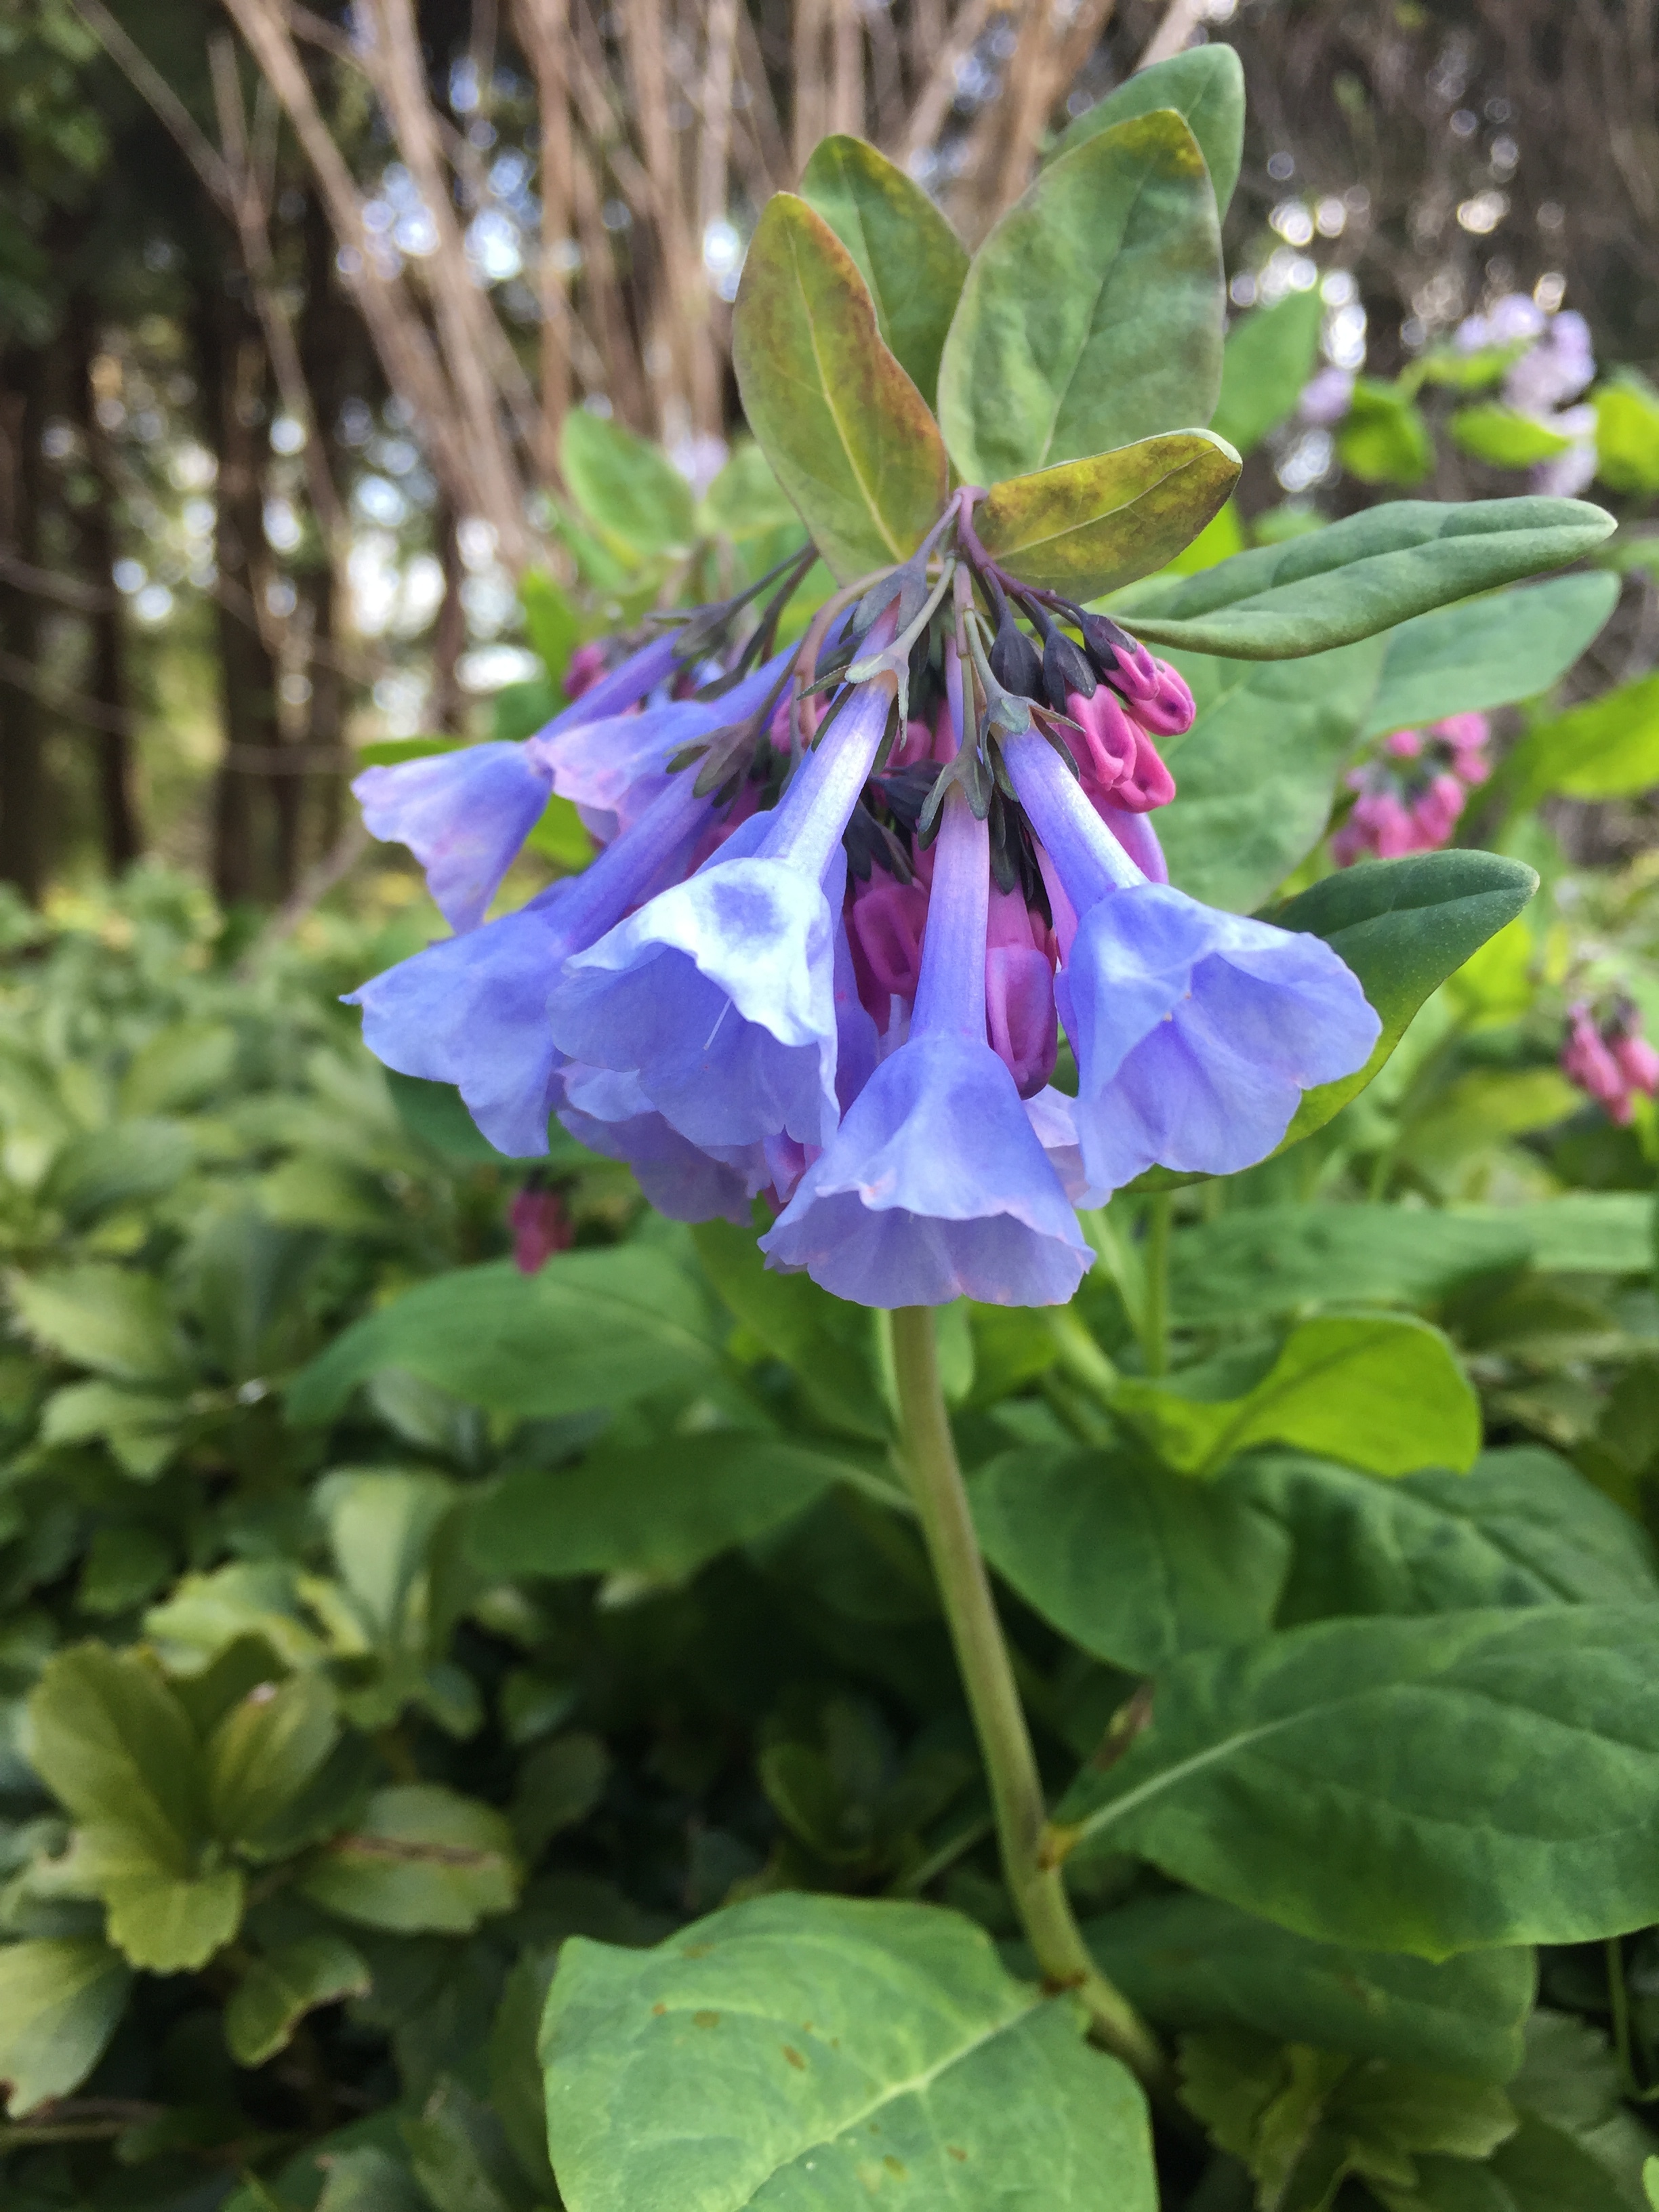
[
  {"x": 1587, "y": 1062},
  {"x": 1404, "y": 745},
  {"x": 884, "y": 927},
  {"x": 1020, "y": 1020},
  {"x": 1106, "y": 750},
  {"x": 540, "y": 1228},
  {"x": 1155, "y": 694},
  {"x": 585, "y": 668},
  {"x": 1638, "y": 1063}
]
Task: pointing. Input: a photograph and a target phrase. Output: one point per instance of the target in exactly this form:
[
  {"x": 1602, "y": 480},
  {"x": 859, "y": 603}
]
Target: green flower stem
[
  {"x": 1034, "y": 1880},
  {"x": 1155, "y": 1313}
]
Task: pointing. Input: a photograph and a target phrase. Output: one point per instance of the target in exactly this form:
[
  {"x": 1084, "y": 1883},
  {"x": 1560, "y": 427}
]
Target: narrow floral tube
[
  {"x": 936, "y": 1187},
  {"x": 1195, "y": 1032},
  {"x": 719, "y": 994},
  {"x": 472, "y": 1011}
]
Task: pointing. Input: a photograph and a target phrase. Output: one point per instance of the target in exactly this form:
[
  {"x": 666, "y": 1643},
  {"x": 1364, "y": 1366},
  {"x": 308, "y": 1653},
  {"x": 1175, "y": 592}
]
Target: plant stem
[
  {"x": 1155, "y": 1313},
  {"x": 1036, "y": 1882}
]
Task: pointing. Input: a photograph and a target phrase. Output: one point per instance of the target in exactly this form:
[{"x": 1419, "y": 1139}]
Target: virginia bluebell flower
[
  {"x": 1195, "y": 1032},
  {"x": 935, "y": 1187},
  {"x": 610, "y": 1115}
]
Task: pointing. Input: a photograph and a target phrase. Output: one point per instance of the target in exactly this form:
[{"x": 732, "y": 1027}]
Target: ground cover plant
[{"x": 1123, "y": 1675}]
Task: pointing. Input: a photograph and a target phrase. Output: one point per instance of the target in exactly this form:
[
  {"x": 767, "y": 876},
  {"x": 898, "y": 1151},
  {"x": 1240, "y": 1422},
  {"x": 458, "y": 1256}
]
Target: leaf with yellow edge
[
  {"x": 849, "y": 437},
  {"x": 1091, "y": 527}
]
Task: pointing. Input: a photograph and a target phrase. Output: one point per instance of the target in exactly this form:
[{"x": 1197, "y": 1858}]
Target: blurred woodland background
[{"x": 294, "y": 304}]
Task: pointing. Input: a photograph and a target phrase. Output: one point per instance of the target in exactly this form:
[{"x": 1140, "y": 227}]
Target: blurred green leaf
[
  {"x": 1381, "y": 1393},
  {"x": 558, "y": 1786},
  {"x": 745, "y": 501},
  {"x": 1627, "y": 434},
  {"x": 1085, "y": 527},
  {"x": 178, "y": 1067},
  {"x": 60, "y": 2003},
  {"x": 631, "y": 490},
  {"x": 280, "y": 1989},
  {"x": 1607, "y": 748},
  {"x": 263, "y": 1754},
  {"x": 848, "y": 434},
  {"x": 1428, "y": 1785},
  {"x": 111, "y": 1319},
  {"x": 660, "y": 1511},
  {"x": 422, "y": 1858},
  {"x": 1092, "y": 315},
  {"x": 550, "y": 622},
  {"x": 829, "y": 1345},
  {"x": 1264, "y": 1259},
  {"x": 1192, "y": 1962},
  {"x": 1504, "y": 436},
  {"x": 908, "y": 256},
  {"x": 1364, "y": 575},
  {"x": 591, "y": 1328},
  {"x": 1205, "y": 86},
  {"x": 558, "y": 835},
  {"x": 803, "y": 2050},
  {"x": 434, "y": 1112},
  {"x": 1383, "y": 438},
  {"x": 141, "y": 1428},
  {"x": 1268, "y": 356},
  {"x": 1487, "y": 651}
]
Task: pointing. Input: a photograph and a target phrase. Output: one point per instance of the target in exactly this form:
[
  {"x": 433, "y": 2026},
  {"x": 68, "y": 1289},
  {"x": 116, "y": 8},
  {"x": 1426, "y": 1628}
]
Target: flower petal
[{"x": 464, "y": 815}]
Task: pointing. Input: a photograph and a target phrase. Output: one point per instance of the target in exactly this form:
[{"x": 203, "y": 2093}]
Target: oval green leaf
[
  {"x": 631, "y": 490},
  {"x": 1092, "y": 315},
  {"x": 1269, "y": 355},
  {"x": 1366, "y": 574},
  {"x": 1205, "y": 86},
  {"x": 817, "y": 2054},
  {"x": 1607, "y": 748},
  {"x": 908, "y": 256},
  {"x": 1089, "y": 527},
  {"x": 848, "y": 435},
  {"x": 1486, "y": 652},
  {"x": 61, "y": 1999},
  {"x": 1432, "y": 1786}
]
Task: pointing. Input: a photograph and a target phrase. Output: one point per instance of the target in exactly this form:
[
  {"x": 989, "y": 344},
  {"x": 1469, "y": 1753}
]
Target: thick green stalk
[{"x": 1034, "y": 1880}]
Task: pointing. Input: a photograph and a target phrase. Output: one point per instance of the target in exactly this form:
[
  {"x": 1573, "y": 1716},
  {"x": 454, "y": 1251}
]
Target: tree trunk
[
  {"x": 107, "y": 681},
  {"x": 332, "y": 358},
  {"x": 22, "y": 397},
  {"x": 245, "y": 863},
  {"x": 449, "y": 632}
]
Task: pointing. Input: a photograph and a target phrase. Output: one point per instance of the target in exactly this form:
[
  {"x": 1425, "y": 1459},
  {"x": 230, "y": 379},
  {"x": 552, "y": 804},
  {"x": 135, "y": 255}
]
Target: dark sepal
[
  {"x": 1014, "y": 660},
  {"x": 1065, "y": 670}
]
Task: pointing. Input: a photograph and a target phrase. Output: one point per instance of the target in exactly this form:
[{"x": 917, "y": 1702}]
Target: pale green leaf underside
[{"x": 810, "y": 2054}]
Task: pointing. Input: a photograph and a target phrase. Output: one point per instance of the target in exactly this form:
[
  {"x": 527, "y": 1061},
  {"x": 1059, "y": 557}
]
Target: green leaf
[
  {"x": 461, "y": 2155},
  {"x": 1403, "y": 926},
  {"x": 111, "y": 1319},
  {"x": 1205, "y": 85},
  {"x": 422, "y": 1858},
  {"x": 140, "y": 1428},
  {"x": 661, "y": 1511},
  {"x": 550, "y": 622},
  {"x": 826, "y": 1343},
  {"x": 1428, "y": 1785},
  {"x": 908, "y": 256},
  {"x": 1650, "y": 2180},
  {"x": 1522, "y": 1528},
  {"x": 516, "y": 2094},
  {"x": 1133, "y": 1565},
  {"x": 162, "y": 1919},
  {"x": 278, "y": 1990},
  {"x": 178, "y": 1067},
  {"x": 1462, "y": 659},
  {"x": 113, "y": 1744},
  {"x": 60, "y": 2002},
  {"x": 1504, "y": 436},
  {"x": 1269, "y": 1259},
  {"x": 629, "y": 488},
  {"x": 848, "y": 435},
  {"x": 380, "y": 1528},
  {"x": 797, "y": 2052},
  {"x": 1256, "y": 774},
  {"x": 557, "y": 1787},
  {"x": 1269, "y": 355},
  {"x": 1382, "y": 1392},
  {"x": 1383, "y": 438},
  {"x": 122, "y": 1165},
  {"x": 1366, "y": 574},
  {"x": 1092, "y": 315},
  {"x": 592, "y": 1328},
  {"x": 124, "y": 1566},
  {"x": 265, "y": 1752},
  {"x": 433, "y": 1113},
  {"x": 1586, "y": 1232},
  {"x": 1194, "y": 1962},
  {"x": 1085, "y": 527},
  {"x": 745, "y": 501},
  {"x": 1627, "y": 434},
  {"x": 558, "y": 835},
  {"x": 1543, "y": 2169},
  {"x": 1607, "y": 748}
]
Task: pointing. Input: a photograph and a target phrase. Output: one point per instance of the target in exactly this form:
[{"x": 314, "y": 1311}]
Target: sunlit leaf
[{"x": 1083, "y": 527}]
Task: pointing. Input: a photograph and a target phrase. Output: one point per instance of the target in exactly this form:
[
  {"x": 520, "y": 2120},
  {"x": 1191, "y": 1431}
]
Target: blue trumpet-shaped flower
[
  {"x": 719, "y": 994},
  {"x": 1195, "y": 1032},
  {"x": 936, "y": 1187},
  {"x": 610, "y": 1115},
  {"x": 472, "y": 1011}
]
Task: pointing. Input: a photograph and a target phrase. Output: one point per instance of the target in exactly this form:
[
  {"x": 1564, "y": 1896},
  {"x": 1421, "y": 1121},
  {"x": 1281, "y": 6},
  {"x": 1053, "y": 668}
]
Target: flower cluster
[
  {"x": 1553, "y": 362},
  {"x": 848, "y": 894},
  {"x": 1609, "y": 1058},
  {"x": 1413, "y": 791}
]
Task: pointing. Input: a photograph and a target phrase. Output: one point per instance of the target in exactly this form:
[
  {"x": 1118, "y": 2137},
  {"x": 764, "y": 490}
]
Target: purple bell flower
[
  {"x": 610, "y": 1115},
  {"x": 464, "y": 815},
  {"x": 472, "y": 1011},
  {"x": 1195, "y": 1032},
  {"x": 936, "y": 1187},
  {"x": 719, "y": 994}
]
